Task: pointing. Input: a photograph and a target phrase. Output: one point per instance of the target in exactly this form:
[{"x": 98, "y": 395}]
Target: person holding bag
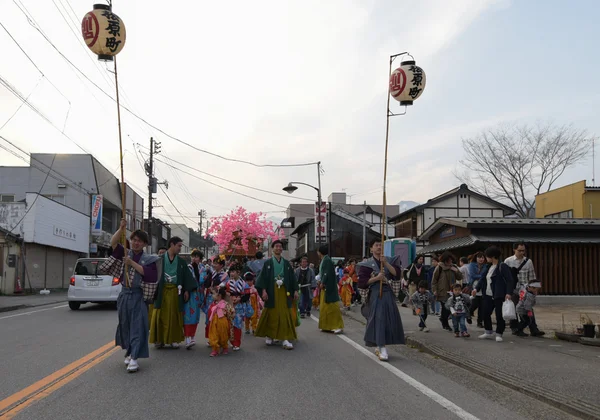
[{"x": 496, "y": 286}]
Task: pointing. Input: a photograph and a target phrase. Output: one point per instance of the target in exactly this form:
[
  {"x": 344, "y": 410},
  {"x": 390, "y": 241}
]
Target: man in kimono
[
  {"x": 384, "y": 325},
  {"x": 278, "y": 286},
  {"x": 174, "y": 289},
  {"x": 132, "y": 330}
]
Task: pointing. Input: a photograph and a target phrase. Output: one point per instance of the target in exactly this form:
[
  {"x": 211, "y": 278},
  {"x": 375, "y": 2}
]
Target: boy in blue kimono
[{"x": 243, "y": 310}]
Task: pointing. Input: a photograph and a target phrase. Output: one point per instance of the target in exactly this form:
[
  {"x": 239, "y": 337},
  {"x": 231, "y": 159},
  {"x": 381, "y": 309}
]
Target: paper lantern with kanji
[
  {"x": 103, "y": 32},
  {"x": 407, "y": 83}
]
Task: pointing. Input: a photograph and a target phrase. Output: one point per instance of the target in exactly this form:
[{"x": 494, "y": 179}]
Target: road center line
[
  {"x": 445, "y": 403},
  {"x": 33, "y": 312},
  {"x": 17, "y": 402}
]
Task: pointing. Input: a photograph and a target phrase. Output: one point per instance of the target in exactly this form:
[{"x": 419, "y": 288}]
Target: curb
[
  {"x": 17, "y": 307},
  {"x": 573, "y": 406}
]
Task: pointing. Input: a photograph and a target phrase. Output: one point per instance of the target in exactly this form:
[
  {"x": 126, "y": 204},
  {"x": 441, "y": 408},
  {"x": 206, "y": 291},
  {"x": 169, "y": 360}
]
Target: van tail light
[
  {"x": 72, "y": 281},
  {"x": 116, "y": 281}
]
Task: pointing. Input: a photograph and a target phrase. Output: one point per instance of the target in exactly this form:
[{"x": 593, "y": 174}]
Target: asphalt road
[{"x": 325, "y": 376}]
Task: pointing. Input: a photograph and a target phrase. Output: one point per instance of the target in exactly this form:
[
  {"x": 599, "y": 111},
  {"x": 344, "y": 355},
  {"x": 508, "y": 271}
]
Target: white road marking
[
  {"x": 428, "y": 392},
  {"x": 33, "y": 312}
]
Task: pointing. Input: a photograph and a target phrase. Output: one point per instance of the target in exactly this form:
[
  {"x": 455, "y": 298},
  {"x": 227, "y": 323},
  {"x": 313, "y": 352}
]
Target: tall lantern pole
[
  {"x": 406, "y": 84},
  {"x": 104, "y": 33}
]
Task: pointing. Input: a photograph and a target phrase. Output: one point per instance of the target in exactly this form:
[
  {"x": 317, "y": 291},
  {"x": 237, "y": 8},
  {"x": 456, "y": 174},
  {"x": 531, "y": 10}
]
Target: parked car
[{"x": 89, "y": 285}]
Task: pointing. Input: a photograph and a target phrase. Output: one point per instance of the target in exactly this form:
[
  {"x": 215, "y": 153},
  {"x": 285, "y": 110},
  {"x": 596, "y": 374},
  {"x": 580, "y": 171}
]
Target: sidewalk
[
  {"x": 560, "y": 373},
  {"x": 15, "y": 302}
]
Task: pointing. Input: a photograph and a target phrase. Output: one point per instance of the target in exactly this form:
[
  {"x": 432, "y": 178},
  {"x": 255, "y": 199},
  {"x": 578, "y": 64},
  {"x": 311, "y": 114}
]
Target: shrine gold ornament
[
  {"x": 103, "y": 32},
  {"x": 407, "y": 82}
]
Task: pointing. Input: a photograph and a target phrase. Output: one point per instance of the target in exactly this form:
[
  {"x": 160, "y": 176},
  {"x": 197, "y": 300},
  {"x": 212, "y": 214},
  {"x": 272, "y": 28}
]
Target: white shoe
[
  {"x": 175, "y": 345},
  {"x": 190, "y": 344},
  {"x": 127, "y": 360},
  {"x": 338, "y": 331},
  {"x": 425, "y": 329},
  {"x": 235, "y": 348},
  {"x": 499, "y": 339},
  {"x": 208, "y": 344},
  {"x": 383, "y": 355},
  {"x": 133, "y": 366},
  {"x": 287, "y": 345},
  {"x": 486, "y": 336},
  {"x": 269, "y": 341}
]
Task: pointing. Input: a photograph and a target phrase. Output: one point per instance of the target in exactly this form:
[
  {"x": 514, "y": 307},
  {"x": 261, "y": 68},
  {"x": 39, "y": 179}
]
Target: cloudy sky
[{"x": 276, "y": 82}]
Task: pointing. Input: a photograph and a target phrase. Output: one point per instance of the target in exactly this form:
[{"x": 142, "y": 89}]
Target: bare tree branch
[{"x": 516, "y": 163}]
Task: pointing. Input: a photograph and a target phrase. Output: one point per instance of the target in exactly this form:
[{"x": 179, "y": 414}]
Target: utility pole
[
  {"x": 202, "y": 214},
  {"x": 152, "y": 183},
  {"x": 364, "y": 241}
]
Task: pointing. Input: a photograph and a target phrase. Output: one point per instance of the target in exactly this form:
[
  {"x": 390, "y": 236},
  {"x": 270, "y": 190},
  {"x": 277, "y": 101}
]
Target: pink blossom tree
[{"x": 241, "y": 229}]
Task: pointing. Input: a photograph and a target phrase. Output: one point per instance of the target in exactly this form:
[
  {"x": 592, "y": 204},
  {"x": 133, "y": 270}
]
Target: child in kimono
[
  {"x": 255, "y": 302},
  {"x": 317, "y": 293},
  {"x": 346, "y": 290},
  {"x": 421, "y": 301},
  {"x": 218, "y": 334},
  {"x": 243, "y": 311}
]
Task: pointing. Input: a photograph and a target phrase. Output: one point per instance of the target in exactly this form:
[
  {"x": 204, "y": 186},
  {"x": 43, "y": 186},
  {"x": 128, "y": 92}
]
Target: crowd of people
[
  {"x": 481, "y": 283},
  {"x": 163, "y": 296}
]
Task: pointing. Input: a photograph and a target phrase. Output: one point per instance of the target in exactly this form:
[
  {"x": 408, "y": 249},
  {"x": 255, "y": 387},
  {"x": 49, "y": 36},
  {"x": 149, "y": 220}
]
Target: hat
[
  {"x": 249, "y": 276},
  {"x": 536, "y": 284}
]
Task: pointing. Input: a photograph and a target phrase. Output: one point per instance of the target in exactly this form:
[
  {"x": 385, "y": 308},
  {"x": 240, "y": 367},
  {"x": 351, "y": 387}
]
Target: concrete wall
[
  {"x": 569, "y": 197},
  {"x": 15, "y": 181},
  {"x": 183, "y": 232},
  {"x": 50, "y": 223},
  {"x": 8, "y": 274},
  {"x": 591, "y": 204},
  {"x": 11, "y": 215}
]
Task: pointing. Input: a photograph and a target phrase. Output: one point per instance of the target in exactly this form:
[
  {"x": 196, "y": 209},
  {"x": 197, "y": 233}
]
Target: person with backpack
[
  {"x": 523, "y": 273},
  {"x": 496, "y": 286}
]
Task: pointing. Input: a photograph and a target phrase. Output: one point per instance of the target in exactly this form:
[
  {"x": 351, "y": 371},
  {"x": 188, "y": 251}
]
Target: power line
[
  {"x": 36, "y": 197},
  {"x": 225, "y": 179},
  {"x": 36, "y": 27}
]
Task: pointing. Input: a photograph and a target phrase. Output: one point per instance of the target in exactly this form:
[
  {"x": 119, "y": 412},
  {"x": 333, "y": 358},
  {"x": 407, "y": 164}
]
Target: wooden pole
[
  {"x": 123, "y": 194},
  {"x": 383, "y": 217}
]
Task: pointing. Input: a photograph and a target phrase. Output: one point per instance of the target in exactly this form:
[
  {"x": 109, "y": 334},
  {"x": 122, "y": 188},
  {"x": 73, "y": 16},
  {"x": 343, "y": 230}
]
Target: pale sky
[{"x": 299, "y": 81}]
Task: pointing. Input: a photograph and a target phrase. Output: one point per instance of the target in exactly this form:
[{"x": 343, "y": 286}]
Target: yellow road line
[{"x": 11, "y": 406}]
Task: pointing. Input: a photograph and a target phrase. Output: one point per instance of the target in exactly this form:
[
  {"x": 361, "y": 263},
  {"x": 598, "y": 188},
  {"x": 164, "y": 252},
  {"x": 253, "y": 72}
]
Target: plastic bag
[{"x": 508, "y": 310}]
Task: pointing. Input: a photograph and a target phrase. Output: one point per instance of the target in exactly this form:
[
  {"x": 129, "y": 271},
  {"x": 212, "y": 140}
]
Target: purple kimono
[{"x": 384, "y": 325}]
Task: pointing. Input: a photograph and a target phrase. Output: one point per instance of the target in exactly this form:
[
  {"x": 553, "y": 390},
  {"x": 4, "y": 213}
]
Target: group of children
[
  {"x": 459, "y": 305},
  {"x": 231, "y": 304}
]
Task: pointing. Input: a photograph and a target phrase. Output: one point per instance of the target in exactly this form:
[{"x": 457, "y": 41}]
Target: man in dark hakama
[
  {"x": 384, "y": 325},
  {"x": 132, "y": 331}
]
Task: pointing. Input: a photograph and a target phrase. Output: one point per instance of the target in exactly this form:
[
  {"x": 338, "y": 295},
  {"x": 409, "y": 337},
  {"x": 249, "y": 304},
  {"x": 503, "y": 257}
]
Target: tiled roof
[{"x": 499, "y": 238}]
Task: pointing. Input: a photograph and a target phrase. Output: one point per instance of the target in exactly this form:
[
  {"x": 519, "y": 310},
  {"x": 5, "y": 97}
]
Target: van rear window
[{"x": 88, "y": 268}]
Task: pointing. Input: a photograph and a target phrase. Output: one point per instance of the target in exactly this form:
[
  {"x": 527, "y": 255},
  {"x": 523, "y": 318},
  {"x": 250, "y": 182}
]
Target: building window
[
  {"x": 129, "y": 220},
  {"x": 59, "y": 198},
  {"x": 7, "y": 198},
  {"x": 562, "y": 215},
  {"x": 138, "y": 224}
]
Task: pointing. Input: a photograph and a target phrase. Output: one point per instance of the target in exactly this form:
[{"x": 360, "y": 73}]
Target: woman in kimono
[
  {"x": 132, "y": 331},
  {"x": 384, "y": 325}
]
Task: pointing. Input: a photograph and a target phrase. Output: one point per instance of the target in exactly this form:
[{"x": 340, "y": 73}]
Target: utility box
[{"x": 12, "y": 260}]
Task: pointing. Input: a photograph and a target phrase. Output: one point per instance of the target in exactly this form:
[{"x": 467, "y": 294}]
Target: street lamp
[{"x": 291, "y": 188}]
